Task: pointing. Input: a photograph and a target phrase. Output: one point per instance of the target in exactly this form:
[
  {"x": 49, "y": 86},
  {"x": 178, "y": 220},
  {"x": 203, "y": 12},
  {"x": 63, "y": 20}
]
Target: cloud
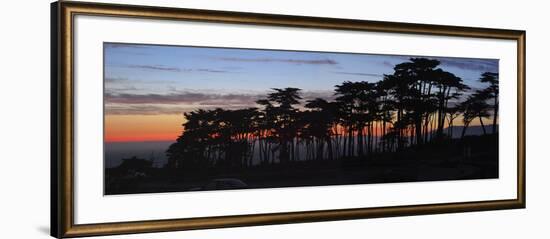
[
  {"x": 291, "y": 61},
  {"x": 126, "y": 109},
  {"x": 208, "y": 70},
  {"x": 127, "y": 49},
  {"x": 180, "y": 98},
  {"x": 185, "y": 101},
  {"x": 152, "y": 109},
  {"x": 155, "y": 67},
  {"x": 470, "y": 64},
  {"x": 357, "y": 74},
  {"x": 173, "y": 69},
  {"x": 174, "y": 103},
  {"x": 115, "y": 79},
  {"x": 117, "y": 90},
  {"x": 123, "y": 45}
]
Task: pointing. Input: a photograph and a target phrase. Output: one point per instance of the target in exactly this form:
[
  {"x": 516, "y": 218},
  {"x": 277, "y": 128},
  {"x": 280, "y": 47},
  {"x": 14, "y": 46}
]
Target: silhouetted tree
[
  {"x": 474, "y": 106},
  {"x": 281, "y": 103},
  {"x": 452, "y": 114},
  {"x": 411, "y": 106},
  {"x": 450, "y": 87},
  {"x": 347, "y": 100},
  {"x": 492, "y": 92},
  {"x": 319, "y": 124}
]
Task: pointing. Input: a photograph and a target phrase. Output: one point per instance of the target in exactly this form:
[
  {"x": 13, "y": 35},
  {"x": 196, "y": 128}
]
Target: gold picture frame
[{"x": 62, "y": 216}]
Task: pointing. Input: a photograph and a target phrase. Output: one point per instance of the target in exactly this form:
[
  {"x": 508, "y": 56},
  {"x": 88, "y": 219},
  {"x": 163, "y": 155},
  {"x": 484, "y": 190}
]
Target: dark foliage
[{"x": 410, "y": 107}]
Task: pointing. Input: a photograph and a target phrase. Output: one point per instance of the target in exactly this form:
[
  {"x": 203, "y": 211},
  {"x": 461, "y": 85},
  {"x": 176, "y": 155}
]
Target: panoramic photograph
[{"x": 191, "y": 118}]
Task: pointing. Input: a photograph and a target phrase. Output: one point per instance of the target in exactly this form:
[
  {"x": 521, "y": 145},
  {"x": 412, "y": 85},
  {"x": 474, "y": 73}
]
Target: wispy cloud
[
  {"x": 115, "y": 79},
  {"x": 143, "y": 109},
  {"x": 180, "y": 98},
  {"x": 206, "y": 70},
  {"x": 291, "y": 61},
  {"x": 123, "y": 45},
  {"x": 155, "y": 67},
  {"x": 152, "y": 109},
  {"x": 127, "y": 49},
  {"x": 151, "y": 104},
  {"x": 174, "y": 69},
  {"x": 470, "y": 64},
  {"x": 185, "y": 101},
  {"x": 123, "y": 88},
  {"x": 357, "y": 73}
]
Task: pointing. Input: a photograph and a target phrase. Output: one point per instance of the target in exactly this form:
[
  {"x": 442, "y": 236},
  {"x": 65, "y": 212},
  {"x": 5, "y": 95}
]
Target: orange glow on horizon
[
  {"x": 140, "y": 128},
  {"x": 135, "y": 128}
]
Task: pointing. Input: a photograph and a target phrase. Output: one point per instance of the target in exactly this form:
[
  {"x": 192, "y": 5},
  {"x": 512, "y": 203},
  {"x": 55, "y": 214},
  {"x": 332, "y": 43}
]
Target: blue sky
[{"x": 153, "y": 79}]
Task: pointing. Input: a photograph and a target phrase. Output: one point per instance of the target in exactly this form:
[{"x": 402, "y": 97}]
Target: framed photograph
[{"x": 170, "y": 119}]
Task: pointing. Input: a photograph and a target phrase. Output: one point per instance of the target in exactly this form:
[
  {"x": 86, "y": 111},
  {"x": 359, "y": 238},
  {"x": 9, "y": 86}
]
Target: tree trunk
[
  {"x": 360, "y": 143},
  {"x": 329, "y": 145},
  {"x": 321, "y": 149},
  {"x": 375, "y": 133},
  {"x": 260, "y": 150},
  {"x": 399, "y": 130},
  {"x": 345, "y": 143},
  {"x": 383, "y": 134},
  {"x": 482, "y": 125},
  {"x": 351, "y": 142},
  {"x": 464, "y": 129},
  {"x": 418, "y": 130},
  {"x": 495, "y": 115},
  {"x": 370, "y": 135},
  {"x": 451, "y": 128}
]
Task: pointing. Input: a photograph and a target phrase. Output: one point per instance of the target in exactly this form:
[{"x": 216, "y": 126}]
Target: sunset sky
[{"x": 149, "y": 87}]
